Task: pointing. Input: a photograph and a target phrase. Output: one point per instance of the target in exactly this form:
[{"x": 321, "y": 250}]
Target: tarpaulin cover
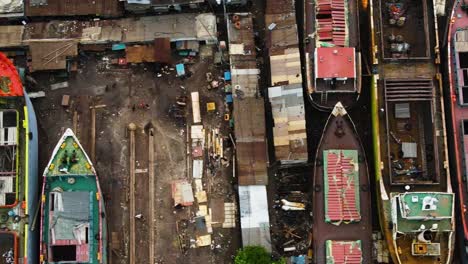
[{"x": 10, "y": 82}]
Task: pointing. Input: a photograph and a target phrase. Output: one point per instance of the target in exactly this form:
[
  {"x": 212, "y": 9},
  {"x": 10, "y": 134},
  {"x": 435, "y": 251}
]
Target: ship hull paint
[
  {"x": 459, "y": 19},
  {"x": 387, "y": 187},
  {"x": 33, "y": 179},
  {"x": 360, "y": 230}
]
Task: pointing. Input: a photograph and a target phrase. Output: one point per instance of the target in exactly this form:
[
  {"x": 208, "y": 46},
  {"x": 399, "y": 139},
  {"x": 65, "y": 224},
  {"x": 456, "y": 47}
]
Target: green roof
[{"x": 432, "y": 209}]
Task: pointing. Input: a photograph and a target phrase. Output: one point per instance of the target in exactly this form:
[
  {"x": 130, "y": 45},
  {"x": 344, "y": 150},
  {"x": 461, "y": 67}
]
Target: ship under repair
[
  {"x": 415, "y": 197},
  {"x": 342, "y": 215}
]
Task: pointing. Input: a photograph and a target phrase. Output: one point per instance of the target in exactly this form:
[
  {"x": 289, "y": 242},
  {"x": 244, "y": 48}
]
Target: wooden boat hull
[
  {"x": 340, "y": 148},
  {"x": 72, "y": 201},
  {"x": 21, "y": 233}
]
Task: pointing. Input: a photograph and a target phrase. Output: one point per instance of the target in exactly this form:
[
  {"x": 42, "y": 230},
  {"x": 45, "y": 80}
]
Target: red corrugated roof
[
  {"x": 331, "y": 22},
  {"x": 335, "y": 63},
  {"x": 341, "y": 195},
  {"x": 346, "y": 252}
]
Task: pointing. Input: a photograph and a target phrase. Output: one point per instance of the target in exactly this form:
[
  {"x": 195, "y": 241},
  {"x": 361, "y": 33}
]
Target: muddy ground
[{"x": 135, "y": 93}]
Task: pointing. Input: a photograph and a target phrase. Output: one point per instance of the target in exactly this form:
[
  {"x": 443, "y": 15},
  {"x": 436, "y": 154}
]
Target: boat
[
  {"x": 457, "y": 54},
  {"x": 73, "y": 219},
  {"x": 415, "y": 197},
  {"x": 332, "y": 52},
  {"x": 342, "y": 215},
  {"x": 18, "y": 170}
]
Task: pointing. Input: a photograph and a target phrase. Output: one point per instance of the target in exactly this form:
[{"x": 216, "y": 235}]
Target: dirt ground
[{"x": 118, "y": 92}]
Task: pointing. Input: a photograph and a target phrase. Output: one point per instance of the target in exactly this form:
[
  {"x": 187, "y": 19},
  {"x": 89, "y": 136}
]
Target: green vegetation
[{"x": 255, "y": 255}]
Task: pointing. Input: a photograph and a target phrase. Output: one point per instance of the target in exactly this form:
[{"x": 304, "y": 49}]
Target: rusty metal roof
[
  {"x": 175, "y": 2},
  {"x": 104, "y": 8},
  {"x": 52, "y": 55},
  {"x": 249, "y": 111},
  {"x": 279, "y": 6},
  {"x": 289, "y": 131}
]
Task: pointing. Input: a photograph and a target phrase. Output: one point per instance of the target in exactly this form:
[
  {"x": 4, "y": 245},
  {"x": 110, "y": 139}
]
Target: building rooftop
[
  {"x": 289, "y": 131},
  {"x": 249, "y": 110},
  {"x": 335, "y": 63},
  {"x": 254, "y": 218},
  {"x": 104, "y": 8},
  {"x": 201, "y": 27},
  {"x": 11, "y": 8}
]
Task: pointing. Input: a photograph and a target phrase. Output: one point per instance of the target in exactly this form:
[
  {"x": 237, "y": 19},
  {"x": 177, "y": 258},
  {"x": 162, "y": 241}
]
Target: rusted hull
[
  {"x": 409, "y": 128},
  {"x": 358, "y": 230},
  {"x": 349, "y": 93},
  {"x": 459, "y": 113}
]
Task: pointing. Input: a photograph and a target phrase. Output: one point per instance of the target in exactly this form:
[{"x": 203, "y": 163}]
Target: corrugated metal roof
[
  {"x": 286, "y": 68},
  {"x": 175, "y": 2},
  {"x": 140, "y": 53},
  {"x": 279, "y": 6},
  {"x": 289, "y": 131},
  {"x": 11, "y": 8},
  {"x": 201, "y": 27},
  {"x": 344, "y": 252},
  {"x": 284, "y": 34},
  {"x": 163, "y": 50},
  {"x": 255, "y": 221},
  {"x": 105, "y": 8},
  {"x": 11, "y": 36},
  {"x": 341, "y": 178},
  {"x": 51, "y": 55},
  {"x": 249, "y": 111}
]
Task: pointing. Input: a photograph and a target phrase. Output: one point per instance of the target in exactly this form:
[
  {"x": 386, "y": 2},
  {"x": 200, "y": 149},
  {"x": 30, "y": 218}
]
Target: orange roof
[{"x": 10, "y": 82}]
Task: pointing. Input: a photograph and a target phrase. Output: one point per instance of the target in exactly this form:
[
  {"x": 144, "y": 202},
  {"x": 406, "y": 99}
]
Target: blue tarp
[
  {"x": 180, "y": 69},
  {"x": 298, "y": 259},
  {"x": 228, "y": 98},
  {"x": 227, "y": 76},
  {"x": 119, "y": 46}
]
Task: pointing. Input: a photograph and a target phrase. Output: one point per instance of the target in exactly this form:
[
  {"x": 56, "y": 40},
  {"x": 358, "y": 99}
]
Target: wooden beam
[
  {"x": 151, "y": 193},
  {"x": 132, "y": 127},
  {"x": 93, "y": 135}
]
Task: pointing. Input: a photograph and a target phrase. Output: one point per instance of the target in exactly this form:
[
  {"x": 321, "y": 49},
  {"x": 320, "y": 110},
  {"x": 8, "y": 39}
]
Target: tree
[{"x": 255, "y": 255}]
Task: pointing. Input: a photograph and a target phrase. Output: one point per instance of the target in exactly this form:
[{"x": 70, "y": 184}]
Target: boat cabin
[
  {"x": 461, "y": 65},
  {"x": 8, "y": 157},
  {"x": 426, "y": 216},
  {"x": 8, "y": 247}
]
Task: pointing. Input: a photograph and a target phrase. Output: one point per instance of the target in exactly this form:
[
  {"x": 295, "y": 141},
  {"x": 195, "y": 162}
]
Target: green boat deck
[
  {"x": 70, "y": 159},
  {"x": 431, "y": 209},
  {"x": 71, "y": 207}
]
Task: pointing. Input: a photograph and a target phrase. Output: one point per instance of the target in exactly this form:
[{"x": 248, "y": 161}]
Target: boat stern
[{"x": 422, "y": 226}]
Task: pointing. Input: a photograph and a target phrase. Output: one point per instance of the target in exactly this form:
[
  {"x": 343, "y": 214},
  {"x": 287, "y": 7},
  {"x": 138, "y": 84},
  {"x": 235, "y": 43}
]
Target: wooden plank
[
  {"x": 151, "y": 193},
  {"x": 132, "y": 128}
]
